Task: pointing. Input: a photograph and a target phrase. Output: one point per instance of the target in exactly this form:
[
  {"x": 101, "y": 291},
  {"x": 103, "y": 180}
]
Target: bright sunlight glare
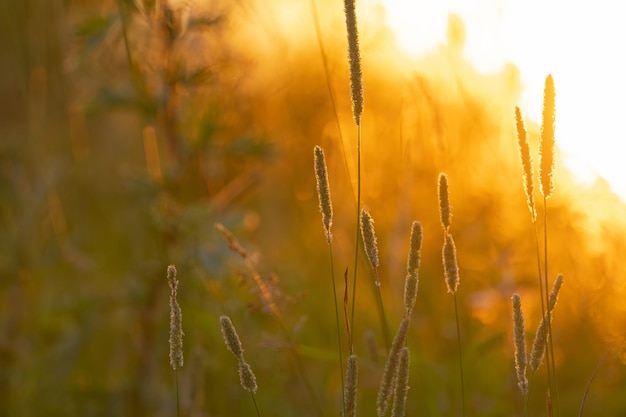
[{"x": 579, "y": 43}]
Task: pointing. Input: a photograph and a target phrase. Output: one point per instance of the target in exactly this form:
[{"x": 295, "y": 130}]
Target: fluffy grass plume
[
  {"x": 352, "y": 377},
  {"x": 236, "y": 247},
  {"x": 402, "y": 385},
  {"x": 519, "y": 338},
  {"x": 450, "y": 266},
  {"x": 230, "y": 337},
  {"x": 354, "y": 55},
  {"x": 444, "y": 201},
  {"x": 246, "y": 376},
  {"x": 539, "y": 344},
  {"x": 323, "y": 191},
  {"x": 369, "y": 239},
  {"x": 176, "y": 322},
  {"x": 391, "y": 368},
  {"x": 412, "y": 278},
  {"x": 547, "y": 139},
  {"x": 527, "y": 162}
]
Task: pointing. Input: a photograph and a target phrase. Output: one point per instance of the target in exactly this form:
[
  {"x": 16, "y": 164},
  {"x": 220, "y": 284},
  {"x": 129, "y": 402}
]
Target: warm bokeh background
[{"x": 128, "y": 129}]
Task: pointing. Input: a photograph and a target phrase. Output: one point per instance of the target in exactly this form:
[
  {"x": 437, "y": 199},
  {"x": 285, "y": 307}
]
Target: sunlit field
[{"x": 139, "y": 134}]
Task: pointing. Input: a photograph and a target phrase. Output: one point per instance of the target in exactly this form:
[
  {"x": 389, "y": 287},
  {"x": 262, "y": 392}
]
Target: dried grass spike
[
  {"x": 519, "y": 338},
  {"x": 391, "y": 367},
  {"x": 369, "y": 238},
  {"x": 323, "y": 191},
  {"x": 176, "y": 322},
  {"x": 354, "y": 55},
  {"x": 352, "y": 377},
  {"x": 444, "y": 201},
  {"x": 547, "y": 139},
  {"x": 247, "y": 377},
  {"x": 415, "y": 246},
  {"x": 539, "y": 344},
  {"x": 401, "y": 385},
  {"x": 527, "y": 162},
  {"x": 230, "y": 337},
  {"x": 554, "y": 294},
  {"x": 450, "y": 266},
  {"x": 412, "y": 278}
]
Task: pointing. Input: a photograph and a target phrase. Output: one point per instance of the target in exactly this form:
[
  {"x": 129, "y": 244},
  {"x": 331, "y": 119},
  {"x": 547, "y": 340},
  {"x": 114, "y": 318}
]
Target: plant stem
[
  {"x": 332, "y": 274},
  {"x": 530, "y": 386},
  {"x": 358, "y": 230},
  {"x": 383, "y": 318},
  {"x": 177, "y": 394},
  {"x": 593, "y": 375},
  {"x": 458, "y": 337},
  {"x": 256, "y": 406},
  {"x": 550, "y": 354}
]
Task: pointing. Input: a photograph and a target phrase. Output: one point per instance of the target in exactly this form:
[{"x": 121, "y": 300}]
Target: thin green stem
[
  {"x": 177, "y": 393},
  {"x": 550, "y": 354},
  {"x": 303, "y": 375},
  {"x": 458, "y": 337},
  {"x": 256, "y": 406},
  {"x": 381, "y": 312},
  {"x": 530, "y": 386},
  {"x": 332, "y": 274},
  {"x": 593, "y": 376},
  {"x": 358, "y": 230},
  {"x": 329, "y": 86}
]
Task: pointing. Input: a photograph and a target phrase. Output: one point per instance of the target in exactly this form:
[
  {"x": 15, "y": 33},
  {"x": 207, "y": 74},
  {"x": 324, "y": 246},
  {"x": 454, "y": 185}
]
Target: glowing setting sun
[{"x": 577, "y": 43}]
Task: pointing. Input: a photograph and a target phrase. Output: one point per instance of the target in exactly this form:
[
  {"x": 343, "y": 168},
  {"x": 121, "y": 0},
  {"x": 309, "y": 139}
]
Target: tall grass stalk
[
  {"x": 450, "y": 267},
  {"x": 593, "y": 376},
  {"x": 329, "y": 86},
  {"x": 233, "y": 344},
  {"x": 326, "y": 209},
  {"x": 356, "y": 92},
  {"x": 269, "y": 302},
  {"x": 458, "y": 338},
  {"x": 370, "y": 245},
  {"x": 176, "y": 330},
  {"x": 546, "y": 168}
]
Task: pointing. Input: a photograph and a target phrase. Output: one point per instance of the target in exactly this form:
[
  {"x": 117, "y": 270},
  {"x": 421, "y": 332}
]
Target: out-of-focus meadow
[{"x": 127, "y": 129}]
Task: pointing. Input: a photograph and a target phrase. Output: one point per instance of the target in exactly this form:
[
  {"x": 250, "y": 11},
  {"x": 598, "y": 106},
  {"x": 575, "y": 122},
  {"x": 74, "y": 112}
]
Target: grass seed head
[
  {"x": 527, "y": 162},
  {"x": 354, "y": 55},
  {"x": 369, "y": 238},
  {"x": 323, "y": 191},
  {"x": 450, "y": 266},
  {"x": 352, "y": 377},
  {"x": 444, "y": 201},
  {"x": 547, "y": 139},
  {"x": 391, "y": 368},
  {"x": 176, "y": 322},
  {"x": 520, "y": 344},
  {"x": 230, "y": 337},
  {"x": 247, "y": 377},
  {"x": 401, "y": 385}
]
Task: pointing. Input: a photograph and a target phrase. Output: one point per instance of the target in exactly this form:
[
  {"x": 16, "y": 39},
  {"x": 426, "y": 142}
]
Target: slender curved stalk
[
  {"x": 458, "y": 337},
  {"x": 593, "y": 376},
  {"x": 329, "y": 86},
  {"x": 383, "y": 318},
  {"x": 332, "y": 274},
  {"x": 177, "y": 395},
  {"x": 358, "y": 229},
  {"x": 550, "y": 362},
  {"x": 256, "y": 406}
]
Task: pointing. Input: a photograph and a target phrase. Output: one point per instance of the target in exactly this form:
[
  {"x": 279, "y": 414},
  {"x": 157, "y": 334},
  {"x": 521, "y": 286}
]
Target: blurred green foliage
[{"x": 128, "y": 128}]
